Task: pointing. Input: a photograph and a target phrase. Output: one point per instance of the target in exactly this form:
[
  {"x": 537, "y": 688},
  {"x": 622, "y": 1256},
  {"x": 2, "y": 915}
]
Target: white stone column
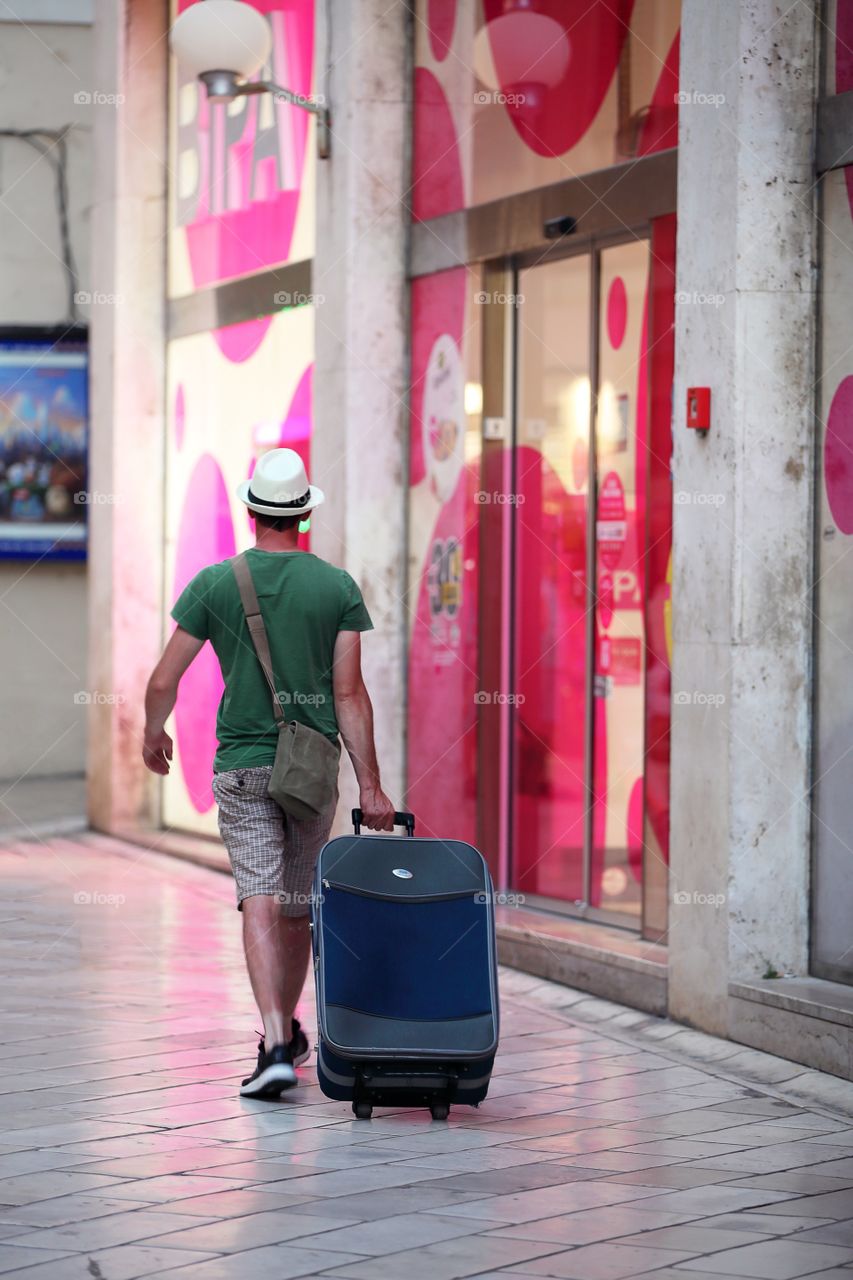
[
  {"x": 359, "y": 451},
  {"x": 127, "y": 391},
  {"x": 743, "y": 514}
]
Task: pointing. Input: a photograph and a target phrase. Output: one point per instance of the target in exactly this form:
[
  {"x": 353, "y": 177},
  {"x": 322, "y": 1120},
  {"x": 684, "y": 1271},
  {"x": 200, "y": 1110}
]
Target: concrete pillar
[
  {"x": 360, "y": 412},
  {"x": 127, "y": 390},
  {"x": 743, "y": 514}
]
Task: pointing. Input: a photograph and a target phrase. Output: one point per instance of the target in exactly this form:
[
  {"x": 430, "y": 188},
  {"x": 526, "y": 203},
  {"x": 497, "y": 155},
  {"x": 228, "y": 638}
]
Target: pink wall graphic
[
  {"x": 531, "y": 82},
  {"x": 658, "y": 366},
  {"x": 441, "y": 19},
  {"x": 617, "y": 312},
  {"x": 838, "y": 456},
  {"x": 294, "y": 432},
  {"x": 553, "y": 100},
  {"x": 239, "y": 218},
  {"x": 205, "y": 536},
  {"x": 443, "y": 651},
  {"x": 438, "y": 307},
  {"x": 436, "y": 168},
  {"x": 240, "y": 214},
  {"x": 660, "y": 127},
  {"x": 838, "y": 440}
]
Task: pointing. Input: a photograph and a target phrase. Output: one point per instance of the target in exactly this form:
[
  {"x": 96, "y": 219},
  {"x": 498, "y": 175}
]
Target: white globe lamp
[
  {"x": 224, "y": 43},
  {"x": 221, "y": 35}
]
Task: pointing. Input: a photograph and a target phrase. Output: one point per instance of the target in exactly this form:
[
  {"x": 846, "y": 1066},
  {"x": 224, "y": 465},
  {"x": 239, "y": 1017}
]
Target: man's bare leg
[
  {"x": 278, "y": 949},
  {"x": 296, "y": 947},
  {"x": 267, "y": 962}
]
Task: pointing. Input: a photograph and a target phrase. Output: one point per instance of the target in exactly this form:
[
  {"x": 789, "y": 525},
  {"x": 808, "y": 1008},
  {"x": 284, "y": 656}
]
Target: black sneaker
[
  {"x": 272, "y": 1075},
  {"x": 300, "y": 1050}
]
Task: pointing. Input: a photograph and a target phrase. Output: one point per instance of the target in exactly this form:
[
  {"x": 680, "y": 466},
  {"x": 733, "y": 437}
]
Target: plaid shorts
[{"x": 270, "y": 852}]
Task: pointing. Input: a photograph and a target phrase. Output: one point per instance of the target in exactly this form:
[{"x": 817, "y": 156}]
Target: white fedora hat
[{"x": 279, "y": 486}]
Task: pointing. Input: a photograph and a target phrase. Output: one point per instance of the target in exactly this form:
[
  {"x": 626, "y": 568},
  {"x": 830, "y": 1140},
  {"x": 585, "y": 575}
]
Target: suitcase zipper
[{"x": 406, "y": 897}]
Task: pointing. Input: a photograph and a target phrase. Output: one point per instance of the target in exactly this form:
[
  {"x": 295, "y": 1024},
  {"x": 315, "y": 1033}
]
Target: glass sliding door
[{"x": 551, "y": 500}]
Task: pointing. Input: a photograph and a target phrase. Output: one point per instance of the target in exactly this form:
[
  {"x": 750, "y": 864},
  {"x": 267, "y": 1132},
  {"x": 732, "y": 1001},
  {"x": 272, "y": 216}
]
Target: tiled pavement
[{"x": 126, "y": 1151}]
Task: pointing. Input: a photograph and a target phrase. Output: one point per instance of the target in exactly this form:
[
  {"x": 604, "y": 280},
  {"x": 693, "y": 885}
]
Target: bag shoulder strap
[{"x": 255, "y": 623}]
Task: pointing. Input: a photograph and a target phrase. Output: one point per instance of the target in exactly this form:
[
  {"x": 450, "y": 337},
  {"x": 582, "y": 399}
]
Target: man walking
[{"x": 313, "y": 614}]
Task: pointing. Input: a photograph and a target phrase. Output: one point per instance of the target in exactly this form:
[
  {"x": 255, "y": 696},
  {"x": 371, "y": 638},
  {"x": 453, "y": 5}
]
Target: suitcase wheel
[
  {"x": 439, "y": 1110},
  {"x": 362, "y": 1110}
]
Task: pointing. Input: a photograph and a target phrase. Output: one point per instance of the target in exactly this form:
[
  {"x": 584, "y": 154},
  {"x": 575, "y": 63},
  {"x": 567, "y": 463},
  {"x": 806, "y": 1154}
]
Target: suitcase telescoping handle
[{"x": 406, "y": 820}]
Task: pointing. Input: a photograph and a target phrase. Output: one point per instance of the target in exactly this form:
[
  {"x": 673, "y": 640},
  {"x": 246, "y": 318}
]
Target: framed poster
[{"x": 44, "y": 424}]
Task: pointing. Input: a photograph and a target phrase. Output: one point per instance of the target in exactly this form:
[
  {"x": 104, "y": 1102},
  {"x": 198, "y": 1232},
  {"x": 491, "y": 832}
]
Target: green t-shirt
[{"x": 304, "y": 602}]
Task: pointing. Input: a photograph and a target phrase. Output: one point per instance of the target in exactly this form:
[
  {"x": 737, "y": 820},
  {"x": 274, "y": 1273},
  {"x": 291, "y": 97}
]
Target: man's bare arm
[
  {"x": 355, "y": 720},
  {"x": 160, "y": 698}
]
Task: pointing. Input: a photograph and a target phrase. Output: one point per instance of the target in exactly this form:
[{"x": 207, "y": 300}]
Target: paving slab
[{"x": 775, "y": 1259}]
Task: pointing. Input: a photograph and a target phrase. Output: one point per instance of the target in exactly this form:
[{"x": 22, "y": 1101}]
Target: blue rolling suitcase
[{"x": 405, "y": 964}]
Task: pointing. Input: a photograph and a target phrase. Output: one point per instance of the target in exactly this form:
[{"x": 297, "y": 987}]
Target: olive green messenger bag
[{"x": 305, "y": 770}]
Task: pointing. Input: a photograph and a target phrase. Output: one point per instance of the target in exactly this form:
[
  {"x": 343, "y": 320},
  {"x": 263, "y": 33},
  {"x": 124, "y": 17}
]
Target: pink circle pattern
[
  {"x": 180, "y": 416},
  {"x": 205, "y": 536},
  {"x": 617, "y": 312},
  {"x": 838, "y": 456},
  {"x": 437, "y": 185},
  {"x": 441, "y": 19},
  {"x": 551, "y": 119}
]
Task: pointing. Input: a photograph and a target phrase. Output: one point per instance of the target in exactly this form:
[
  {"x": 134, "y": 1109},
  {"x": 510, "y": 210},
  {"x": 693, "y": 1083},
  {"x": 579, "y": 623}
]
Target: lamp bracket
[{"x": 223, "y": 86}]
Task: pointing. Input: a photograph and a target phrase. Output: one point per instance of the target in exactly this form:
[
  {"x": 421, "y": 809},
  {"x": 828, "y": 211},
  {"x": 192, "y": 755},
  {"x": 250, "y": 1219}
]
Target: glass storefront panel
[
  {"x": 832, "y": 896},
  {"x": 221, "y": 415},
  {"x": 620, "y": 445},
  {"x": 511, "y": 95},
  {"x": 550, "y": 578},
  {"x": 241, "y": 200},
  {"x": 659, "y": 351},
  {"x": 445, "y": 499},
  {"x": 241, "y": 175}
]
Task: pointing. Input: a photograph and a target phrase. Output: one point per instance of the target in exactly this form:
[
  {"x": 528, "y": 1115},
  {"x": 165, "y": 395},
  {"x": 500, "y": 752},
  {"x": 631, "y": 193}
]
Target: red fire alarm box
[{"x": 699, "y": 408}]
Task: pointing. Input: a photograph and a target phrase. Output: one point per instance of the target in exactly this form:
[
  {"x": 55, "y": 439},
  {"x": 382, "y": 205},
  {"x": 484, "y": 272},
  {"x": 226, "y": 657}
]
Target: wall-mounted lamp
[{"x": 223, "y": 42}]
